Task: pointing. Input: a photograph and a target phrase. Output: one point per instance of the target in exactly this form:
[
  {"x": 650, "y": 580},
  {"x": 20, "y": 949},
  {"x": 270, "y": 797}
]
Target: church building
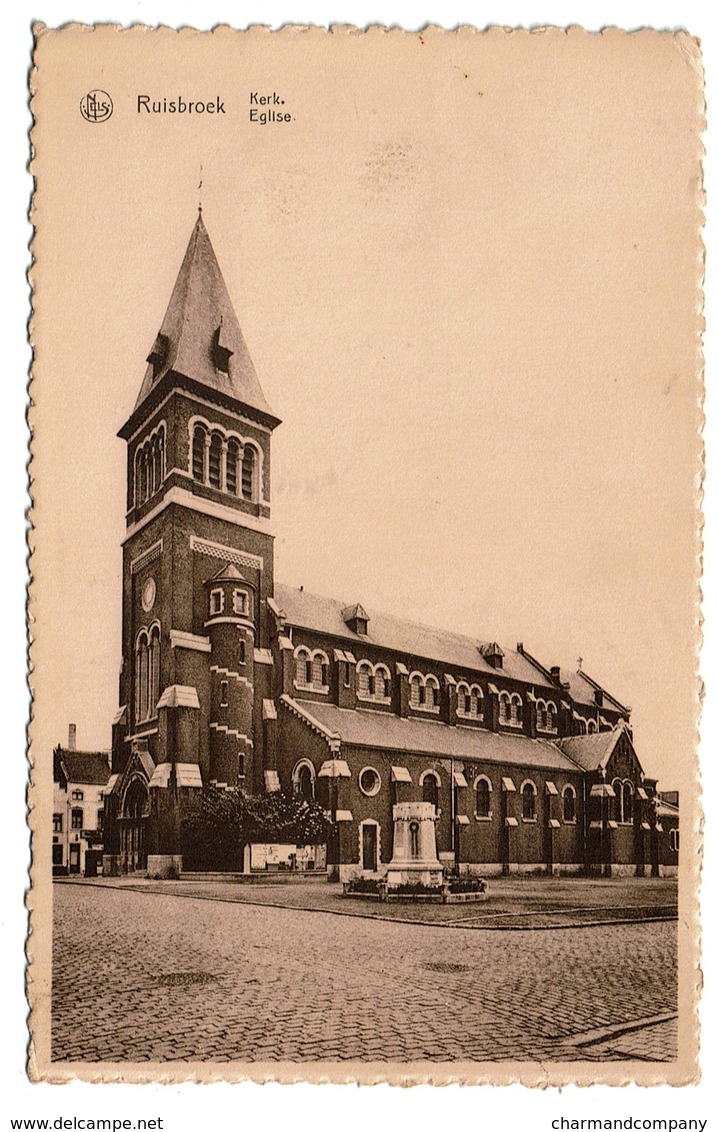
[{"x": 232, "y": 679}]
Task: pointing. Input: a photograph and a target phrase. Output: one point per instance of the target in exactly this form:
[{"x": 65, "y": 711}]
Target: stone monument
[{"x": 414, "y": 860}]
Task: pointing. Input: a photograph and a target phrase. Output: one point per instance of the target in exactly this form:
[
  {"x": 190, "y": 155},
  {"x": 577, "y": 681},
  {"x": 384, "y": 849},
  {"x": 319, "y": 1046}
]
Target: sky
[{"x": 466, "y": 273}]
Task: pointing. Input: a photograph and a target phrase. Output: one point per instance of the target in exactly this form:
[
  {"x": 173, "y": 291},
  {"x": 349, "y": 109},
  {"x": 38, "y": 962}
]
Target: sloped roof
[
  {"x": 199, "y": 307},
  {"x": 324, "y": 615},
  {"x": 389, "y": 732},
  {"x": 582, "y": 691},
  {"x": 89, "y": 768},
  {"x": 591, "y": 751}
]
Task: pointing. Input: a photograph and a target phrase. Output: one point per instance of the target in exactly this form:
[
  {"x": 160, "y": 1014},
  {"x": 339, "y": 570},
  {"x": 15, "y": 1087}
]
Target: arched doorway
[{"x": 132, "y": 826}]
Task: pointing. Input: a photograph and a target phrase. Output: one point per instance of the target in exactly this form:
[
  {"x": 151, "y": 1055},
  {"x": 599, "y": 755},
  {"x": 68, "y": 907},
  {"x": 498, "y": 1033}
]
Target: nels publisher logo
[{"x": 96, "y": 106}]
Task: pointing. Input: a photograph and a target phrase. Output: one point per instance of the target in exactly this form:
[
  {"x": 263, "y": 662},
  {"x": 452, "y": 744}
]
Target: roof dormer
[
  {"x": 492, "y": 654},
  {"x": 357, "y": 619}
]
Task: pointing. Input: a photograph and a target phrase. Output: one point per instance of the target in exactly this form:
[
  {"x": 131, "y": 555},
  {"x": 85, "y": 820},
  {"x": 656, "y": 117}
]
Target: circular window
[
  {"x": 149, "y": 592},
  {"x": 369, "y": 781}
]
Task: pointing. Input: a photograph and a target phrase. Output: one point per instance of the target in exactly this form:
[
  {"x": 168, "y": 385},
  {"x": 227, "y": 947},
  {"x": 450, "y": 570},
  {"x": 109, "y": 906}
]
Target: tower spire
[{"x": 200, "y": 338}]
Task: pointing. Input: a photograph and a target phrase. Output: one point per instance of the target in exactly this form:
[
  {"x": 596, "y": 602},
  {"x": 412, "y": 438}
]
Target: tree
[{"x": 222, "y": 822}]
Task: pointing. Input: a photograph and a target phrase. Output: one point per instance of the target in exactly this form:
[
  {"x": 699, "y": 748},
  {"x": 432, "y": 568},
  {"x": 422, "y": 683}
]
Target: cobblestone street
[{"x": 146, "y": 977}]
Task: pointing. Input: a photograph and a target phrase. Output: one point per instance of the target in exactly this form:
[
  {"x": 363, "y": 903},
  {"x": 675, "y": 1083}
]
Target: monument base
[{"x": 164, "y": 866}]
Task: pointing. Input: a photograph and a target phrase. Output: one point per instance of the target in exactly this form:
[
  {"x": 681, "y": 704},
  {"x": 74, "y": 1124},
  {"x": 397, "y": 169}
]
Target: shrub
[
  {"x": 222, "y": 822},
  {"x": 467, "y": 884}
]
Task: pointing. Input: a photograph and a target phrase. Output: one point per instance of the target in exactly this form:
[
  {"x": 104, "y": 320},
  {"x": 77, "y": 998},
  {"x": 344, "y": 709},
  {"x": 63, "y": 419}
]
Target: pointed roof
[
  {"x": 593, "y": 751},
  {"x": 200, "y": 336}
]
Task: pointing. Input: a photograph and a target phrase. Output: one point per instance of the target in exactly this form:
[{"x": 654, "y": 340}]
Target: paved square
[{"x": 139, "y": 976}]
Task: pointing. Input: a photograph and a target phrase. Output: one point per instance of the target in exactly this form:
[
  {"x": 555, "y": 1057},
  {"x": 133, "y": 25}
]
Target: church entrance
[{"x": 132, "y": 827}]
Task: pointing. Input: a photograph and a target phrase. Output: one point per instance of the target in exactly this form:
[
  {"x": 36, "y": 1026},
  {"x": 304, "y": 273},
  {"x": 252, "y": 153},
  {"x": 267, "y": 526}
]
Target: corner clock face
[{"x": 149, "y": 593}]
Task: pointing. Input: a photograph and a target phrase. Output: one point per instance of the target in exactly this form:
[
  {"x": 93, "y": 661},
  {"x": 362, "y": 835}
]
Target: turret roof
[{"x": 200, "y": 336}]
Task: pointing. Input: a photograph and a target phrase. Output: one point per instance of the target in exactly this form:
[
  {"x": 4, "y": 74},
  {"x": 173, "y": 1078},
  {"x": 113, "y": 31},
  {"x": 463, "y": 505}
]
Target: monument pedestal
[{"x": 414, "y": 859}]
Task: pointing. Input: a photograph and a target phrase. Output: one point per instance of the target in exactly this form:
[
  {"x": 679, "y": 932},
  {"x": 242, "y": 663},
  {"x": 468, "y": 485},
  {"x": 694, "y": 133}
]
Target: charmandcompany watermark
[{"x": 96, "y": 106}]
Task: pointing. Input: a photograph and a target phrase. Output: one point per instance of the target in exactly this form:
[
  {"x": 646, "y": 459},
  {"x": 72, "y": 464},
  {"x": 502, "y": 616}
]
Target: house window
[
  {"x": 216, "y": 602},
  {"x": 240, "y": 601},
  {"x": 673, "y": 840},
  {"x": 303, "y": 663},
  {"x": 627, "y": 802},
  {"x": 199, "y": 443},
  {"x": 365, "y": 681},
  {"x": 100, "y": 819},
  {"x": 320, "y": 670},
  {"x": 77, "y": 817},
  {"x": 78, "y": 795},
  {"x": 57, "y": 823},
  {"x": 232, "y": 470},
  {"x": 430, "y": 789},
  {"x": 592, "y": 727},
  {"x": 312, "y": 670},
  {"x": 423, "y": 692},
  {"x": 248, "y": 467},
  {"x": 369, "y": 781},
  {"x": 483, "y": 797},
  {"x": 528, "y": 801},
  {"x": 242, "y": 652},
  {"x": 224, "y": 693},
  {"x": 569, "y": 805},
  {"x": 215, "y": 460},
  {"x": 240, "y": 766},
  {"x": 149, "y": 466},
  {"x": 147, "y": 673},
  {"x": 469, "y": 701}
]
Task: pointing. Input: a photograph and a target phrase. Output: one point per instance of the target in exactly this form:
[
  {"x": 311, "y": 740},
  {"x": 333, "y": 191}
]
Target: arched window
[
  {"x": 147, "y": 673},
  {"x": 517, "y": 710},
  {"x": 431, "y": 692},
  {"x": 483, "y": 797},
  {"x": 430, "y": 789},
  {"x": 215, "y": 460},
  {"x": 303, "y": 663},
  {"x": 416, "y": 690},
  {"x": 580, "y": 725},
  {"x": 528, "y": 801},
  {"x": 365, "y": 680},
  {"x": 141, "y": 667},
  {"x": 303, "y": 780},
  {"x": 248, "y": 472},
  {"x": 199, "y": 440},
  {"x": 320, "y": 670},
  {"x": 541, "y": 716},
  {"x": 139, "y": 464},
  {"x": 551, "y": 715},
  {"x": 153, "y": 675},
  {"x": 569, "y": 805},
  {"x": 232, "y": 472},
  {"x": 592, "y": 727},
  {"x": 627, "y": 802},
  {"x": 504, "y": 708},
  {"x": 382, "y": 682}
]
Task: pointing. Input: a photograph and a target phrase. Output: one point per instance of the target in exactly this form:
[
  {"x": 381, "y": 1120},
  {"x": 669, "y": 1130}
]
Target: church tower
[{"x": 197, "y": 569}]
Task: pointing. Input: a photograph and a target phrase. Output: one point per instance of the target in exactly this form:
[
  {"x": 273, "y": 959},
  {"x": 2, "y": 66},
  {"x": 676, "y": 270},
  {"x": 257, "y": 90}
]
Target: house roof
[
  {"x": 199, "y": 319},
  {"x": 366, "y": 728},
  {"x": 88, "y": 768},
  {"x": 591, "y": 751},
  {"x": 324, "y": 615},
  {"x": 582, "y": 690}
]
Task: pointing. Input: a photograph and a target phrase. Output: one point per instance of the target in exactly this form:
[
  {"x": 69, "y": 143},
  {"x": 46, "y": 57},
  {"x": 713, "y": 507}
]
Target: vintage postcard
[{"x": 366, "y": 471}]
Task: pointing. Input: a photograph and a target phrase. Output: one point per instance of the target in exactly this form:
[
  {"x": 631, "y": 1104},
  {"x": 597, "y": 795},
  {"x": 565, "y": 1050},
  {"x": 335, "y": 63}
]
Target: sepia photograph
[{"x": 366, "y": 415}]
